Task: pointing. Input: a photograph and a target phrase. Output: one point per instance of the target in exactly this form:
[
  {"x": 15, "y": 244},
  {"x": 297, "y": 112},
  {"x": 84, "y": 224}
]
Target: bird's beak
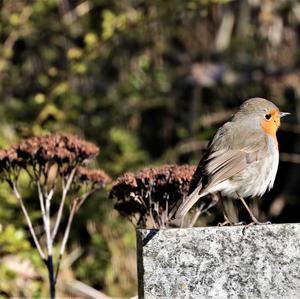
[{"x": 282, "y": 114}]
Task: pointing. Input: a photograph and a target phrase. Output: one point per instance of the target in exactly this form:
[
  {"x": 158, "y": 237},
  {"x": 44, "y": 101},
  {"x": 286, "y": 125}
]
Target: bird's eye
[{"x": 268, "y": 116}]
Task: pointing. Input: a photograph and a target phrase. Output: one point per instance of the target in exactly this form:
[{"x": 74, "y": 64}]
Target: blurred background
[{"x": 149, "y": 82}]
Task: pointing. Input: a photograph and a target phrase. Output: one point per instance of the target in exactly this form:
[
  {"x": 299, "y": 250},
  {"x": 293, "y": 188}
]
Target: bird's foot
[
  {"x": 259, "y": 223},
  {"x": 225, "y": 223},
  {"x": 254, "y": 223},
  {"x": 240, "y": 223}
]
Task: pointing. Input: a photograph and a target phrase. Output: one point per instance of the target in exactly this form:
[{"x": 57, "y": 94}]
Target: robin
[{"x": 242, "y": 158}]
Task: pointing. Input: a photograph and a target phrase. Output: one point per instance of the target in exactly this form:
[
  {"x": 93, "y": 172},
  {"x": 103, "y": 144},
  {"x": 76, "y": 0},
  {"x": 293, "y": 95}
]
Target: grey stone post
[{"x": 220, "y": 262}]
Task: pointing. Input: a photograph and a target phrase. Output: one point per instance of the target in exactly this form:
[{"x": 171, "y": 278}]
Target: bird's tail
[{"x": 188, "y": 203}]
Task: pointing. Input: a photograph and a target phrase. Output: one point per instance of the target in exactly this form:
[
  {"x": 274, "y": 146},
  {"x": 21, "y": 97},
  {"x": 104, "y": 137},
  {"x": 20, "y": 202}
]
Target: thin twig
[
  {"x": 156, "y": 209},
  {"x": 50, "y": 194},
  {"x": 48, "y": 223},
  {"x": 288, "y": 157},
  {"x": 13, "y": 36},
  {"x": 150, "y": 209},
  {"x": 19, "y": 197},
  {"x": 78, "y": 289},
  {"x": 47, "y": 227},
  {"x": 66, "y": 236},
  {"x": 195, "y": 218},
  {"x": 76, "y": 204},
  {"x": 29, "y": 174},
  {"x": 41, "y": 199},
  {"x": 167, "y": 211},
  {"x": 62, "y": 203},
  {"x": 182, "y": 221},
  {"x": 46, "y": 216},
  {"x": 83, "y": 197}
]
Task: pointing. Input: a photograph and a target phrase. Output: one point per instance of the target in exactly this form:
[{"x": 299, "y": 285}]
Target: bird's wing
[
  {"x": 220, "y": 141},
  {"x": 221, "y": 162}
]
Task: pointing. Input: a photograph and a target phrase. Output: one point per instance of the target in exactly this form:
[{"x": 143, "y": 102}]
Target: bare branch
[
  {"x": 66, "y": 235},
  {"x": 66, "y": 188},
  {"x": 83, "y": 197},
  {"x": 71, "y": 15},
  {"x": 24, "y": 16},
  {"x": 166, "y": 218},
  {"x": 46, "y": 215},
  {"x": 216, "y": 117},
  {"x": 195, "y": 218},
  {"x": 182, "y": 222},
  {"x": 288, "y": 157},
  {"x": 76, "y": 204},
  {"x": 19, "y": 197},
  {"x": 78, "y": 289},
  {"x": 50, "y": 194},
  {"x": 47, "y": 226},
  {"x": 42, "y": 204},
  {"x": 150, "y": 209}
]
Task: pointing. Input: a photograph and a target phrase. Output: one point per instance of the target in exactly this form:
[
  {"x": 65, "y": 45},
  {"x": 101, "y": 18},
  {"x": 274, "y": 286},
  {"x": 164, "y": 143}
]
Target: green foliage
[
  {"x": 127, "y": 153},
  {"x": 87, "y": 268},
  {"x": 13, "y": 240},
  {"x": 18, "y": 259}
]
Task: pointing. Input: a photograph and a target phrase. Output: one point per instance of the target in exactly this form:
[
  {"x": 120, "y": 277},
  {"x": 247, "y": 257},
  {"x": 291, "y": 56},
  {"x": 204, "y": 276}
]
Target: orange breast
[{"x": 271, "y": 126}]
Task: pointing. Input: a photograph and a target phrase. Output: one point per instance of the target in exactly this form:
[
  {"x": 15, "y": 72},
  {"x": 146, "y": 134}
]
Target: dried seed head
[
  {"x": 9, "y": 158},
  {"x": 3, "y": 159},
  {"x": 94, "y": 176},
  {"x": 58, "y": 148},
  {"x": 151, "y": 187},
  {"x": 167, "y": 175},
  {"x": 123, "y": 186}
]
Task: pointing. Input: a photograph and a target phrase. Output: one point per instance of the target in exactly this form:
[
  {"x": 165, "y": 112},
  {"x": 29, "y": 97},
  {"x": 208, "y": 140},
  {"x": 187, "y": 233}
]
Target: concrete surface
[{"x": 220, "y": 262}]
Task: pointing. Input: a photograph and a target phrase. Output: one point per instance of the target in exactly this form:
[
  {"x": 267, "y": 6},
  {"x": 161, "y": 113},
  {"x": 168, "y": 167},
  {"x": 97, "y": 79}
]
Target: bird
[{"x": 242, "y": 159}]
